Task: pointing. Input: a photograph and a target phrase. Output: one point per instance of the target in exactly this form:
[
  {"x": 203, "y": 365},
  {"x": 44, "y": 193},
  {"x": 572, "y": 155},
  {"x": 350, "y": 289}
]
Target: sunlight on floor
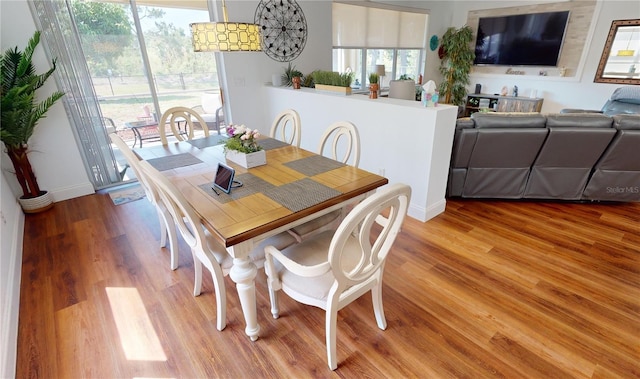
[{"x": 137, "y": 336}]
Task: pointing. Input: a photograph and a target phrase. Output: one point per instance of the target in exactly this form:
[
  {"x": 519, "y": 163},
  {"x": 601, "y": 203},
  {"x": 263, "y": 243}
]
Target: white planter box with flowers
[
  {"x": 250, "y": 160},
  {"x": 242, "y": 148}
]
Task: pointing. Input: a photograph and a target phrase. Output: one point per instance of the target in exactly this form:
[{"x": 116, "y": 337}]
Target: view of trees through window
[
  {"x": 142, "y": 61},
  {"x": 398, "y": 63}
]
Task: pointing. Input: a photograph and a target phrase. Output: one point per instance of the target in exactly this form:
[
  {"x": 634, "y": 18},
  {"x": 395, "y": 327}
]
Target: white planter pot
[
  {"x": 36, "y": 204},
  {"x": 258, "y": 158}
]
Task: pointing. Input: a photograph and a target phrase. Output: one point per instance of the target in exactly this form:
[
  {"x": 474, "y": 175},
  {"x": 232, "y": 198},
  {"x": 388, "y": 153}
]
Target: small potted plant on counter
[{"x": 373, "y": 86}]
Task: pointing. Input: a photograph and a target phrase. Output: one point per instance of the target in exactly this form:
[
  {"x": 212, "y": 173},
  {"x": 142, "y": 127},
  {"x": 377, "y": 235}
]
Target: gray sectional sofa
[{"x": 572, "y": 156}]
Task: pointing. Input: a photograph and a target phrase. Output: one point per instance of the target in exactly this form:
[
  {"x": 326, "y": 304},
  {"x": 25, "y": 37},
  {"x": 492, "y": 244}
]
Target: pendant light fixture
[{"x": 225, "y": 36}]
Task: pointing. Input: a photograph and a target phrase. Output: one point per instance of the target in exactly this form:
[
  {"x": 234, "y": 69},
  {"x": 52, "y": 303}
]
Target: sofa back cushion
[
  {"x": 582, "y": 120},
  {"x": 508, "y": 120},
  {"x": 626, "y": 122}
]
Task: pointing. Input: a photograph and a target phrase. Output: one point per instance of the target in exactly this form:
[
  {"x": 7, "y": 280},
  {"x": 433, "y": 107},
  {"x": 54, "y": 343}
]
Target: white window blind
[{"x": 361, "y": 26}]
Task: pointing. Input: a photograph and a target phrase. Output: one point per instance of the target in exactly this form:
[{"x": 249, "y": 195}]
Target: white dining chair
[
  {"x": 167, "y": 226},
  {"x": 286, "y": 127},
  {"x": 176, "y": 116},
  {"x": 332, "y": 269},
  {"x": 345, "y": 143},
  {"x": 205, "y": 249}
]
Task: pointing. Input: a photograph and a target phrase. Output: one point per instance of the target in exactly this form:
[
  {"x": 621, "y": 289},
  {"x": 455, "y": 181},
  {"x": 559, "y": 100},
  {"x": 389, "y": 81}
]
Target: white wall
[
  {"x": 54, "y": 154},
  {"x": 558, "y": 92},
  {"x": 11, "y": 226},
  {"x": 248, "y": 72}
]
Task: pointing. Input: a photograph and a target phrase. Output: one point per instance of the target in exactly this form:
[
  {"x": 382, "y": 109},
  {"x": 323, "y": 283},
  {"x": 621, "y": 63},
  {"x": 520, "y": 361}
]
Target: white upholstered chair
[
  {"x": 205, "y": 249},
  {"x": 402, "y": 89},
  {"x": 167, "y": 226},
  {"x": 332, "y": 269},
  {"x": 181, "y": 115},
  {"x": 214, "y": 120},
  {"x": 345, "y": 142},
  {"x": 286, "y": 127}
]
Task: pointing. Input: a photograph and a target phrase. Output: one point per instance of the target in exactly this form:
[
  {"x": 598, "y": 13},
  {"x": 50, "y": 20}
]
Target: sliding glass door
[{"x": 139, "y": 61}]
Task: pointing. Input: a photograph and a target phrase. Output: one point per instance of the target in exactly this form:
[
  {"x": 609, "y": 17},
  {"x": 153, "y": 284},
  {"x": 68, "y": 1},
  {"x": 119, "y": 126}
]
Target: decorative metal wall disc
[{"x": 283, "y": 28}]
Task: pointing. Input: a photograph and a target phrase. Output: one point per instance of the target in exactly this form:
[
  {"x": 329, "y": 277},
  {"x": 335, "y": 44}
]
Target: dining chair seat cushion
[
  {"x": 317, "y": 223},
  {"x": 310, "y": 252},
  {"x": 219, "y": 253},
  {"x": 208, "y": 117}
]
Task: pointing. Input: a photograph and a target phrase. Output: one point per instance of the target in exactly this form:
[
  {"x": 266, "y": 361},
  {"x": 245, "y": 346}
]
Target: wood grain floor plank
[{"x": 488, "y": 289}]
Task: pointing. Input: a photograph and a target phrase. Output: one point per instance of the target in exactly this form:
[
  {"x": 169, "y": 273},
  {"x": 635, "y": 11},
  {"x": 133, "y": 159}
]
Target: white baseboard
[
  {"x": 11, "y": 297},
  {"x": 61, "y": 194},
  {"x": 426, "y": 214}
]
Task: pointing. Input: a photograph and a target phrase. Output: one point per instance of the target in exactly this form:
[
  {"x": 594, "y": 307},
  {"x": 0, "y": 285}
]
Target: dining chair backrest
[
  {"x": 286, "y": 127},
  {"x": 387, "y": 208},
  {"x": 167, "y": 225},
  {"x": 177, "y": 115},
  {"x": 185, "y": 217},
  {"x": 345, "y": 142}
]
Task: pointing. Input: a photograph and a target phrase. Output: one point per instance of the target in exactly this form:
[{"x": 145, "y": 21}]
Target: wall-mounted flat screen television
[{"x": 521, "y": 40}]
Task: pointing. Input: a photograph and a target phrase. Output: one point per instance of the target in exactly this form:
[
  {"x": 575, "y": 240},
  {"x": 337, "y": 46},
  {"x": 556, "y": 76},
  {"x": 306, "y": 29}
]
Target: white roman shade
[{"x": 364, "y": 26}]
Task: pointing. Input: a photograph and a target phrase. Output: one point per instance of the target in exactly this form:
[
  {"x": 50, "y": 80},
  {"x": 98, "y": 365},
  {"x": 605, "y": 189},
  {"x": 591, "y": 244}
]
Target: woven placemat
[
  {"x": 271, "y": 143},
  {"x": 213, "y": 140},
  {"x": 314, "y": 165},
  {"x": 173, "y": 161},
  {"x": 250, "y": 184},
  {"x": 301, "y": 194}
]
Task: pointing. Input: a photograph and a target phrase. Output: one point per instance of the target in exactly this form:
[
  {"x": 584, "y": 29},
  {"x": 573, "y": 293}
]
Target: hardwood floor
[{"x": 487, "y": 289}]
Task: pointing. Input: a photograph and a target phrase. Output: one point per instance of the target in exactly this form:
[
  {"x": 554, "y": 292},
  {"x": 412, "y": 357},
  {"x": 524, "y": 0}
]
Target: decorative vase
[
  {"x": 296, "y": 82},
  {"x": 250, "y": 160},
  {"x": 276, "y": 80},
  {"x": 36, "y": 204},
  {"x": 373, "y": 90}
]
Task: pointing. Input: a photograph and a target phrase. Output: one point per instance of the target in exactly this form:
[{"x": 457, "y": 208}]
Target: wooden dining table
[{"x": 295, "y": 186}]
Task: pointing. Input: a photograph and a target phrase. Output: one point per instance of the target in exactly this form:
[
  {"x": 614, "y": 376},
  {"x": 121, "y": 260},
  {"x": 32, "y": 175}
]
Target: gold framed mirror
[{"x": 620, "y": 61}]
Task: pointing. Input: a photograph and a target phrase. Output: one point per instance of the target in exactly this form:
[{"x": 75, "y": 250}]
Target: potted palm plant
[
  {"x": 20, "y": 115},
  {"x": 457, "y": 59}
]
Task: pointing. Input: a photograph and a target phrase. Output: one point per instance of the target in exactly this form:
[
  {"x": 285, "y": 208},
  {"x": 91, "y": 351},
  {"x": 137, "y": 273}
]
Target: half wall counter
[{"x": 400, "y": 139}]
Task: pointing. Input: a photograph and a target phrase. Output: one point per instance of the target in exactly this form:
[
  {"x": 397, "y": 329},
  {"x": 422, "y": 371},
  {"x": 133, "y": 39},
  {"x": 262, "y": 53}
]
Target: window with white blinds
[{"x": 369, "y": 27}]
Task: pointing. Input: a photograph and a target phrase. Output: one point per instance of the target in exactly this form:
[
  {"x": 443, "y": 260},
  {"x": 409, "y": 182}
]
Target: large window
[
  {"x": 141, "y": 60},
  {"x": 365, "y": 37}
]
